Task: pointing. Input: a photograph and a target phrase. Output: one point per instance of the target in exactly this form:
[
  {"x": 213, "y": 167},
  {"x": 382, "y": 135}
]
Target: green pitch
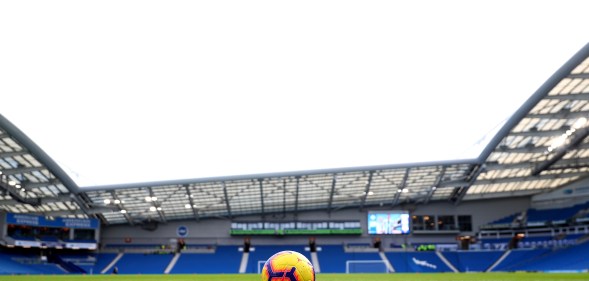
[{"x": 320, "y": 277}]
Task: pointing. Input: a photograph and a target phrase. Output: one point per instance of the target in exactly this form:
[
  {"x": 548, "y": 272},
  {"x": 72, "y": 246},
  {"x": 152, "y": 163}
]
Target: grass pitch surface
[{"x": 320, "y": 277}]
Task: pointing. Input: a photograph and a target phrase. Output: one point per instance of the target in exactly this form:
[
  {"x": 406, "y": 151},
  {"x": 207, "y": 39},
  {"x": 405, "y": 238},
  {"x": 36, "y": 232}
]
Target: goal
[
  {"x": 260, "y": 266},
  {"x": 366, "y": 266}
]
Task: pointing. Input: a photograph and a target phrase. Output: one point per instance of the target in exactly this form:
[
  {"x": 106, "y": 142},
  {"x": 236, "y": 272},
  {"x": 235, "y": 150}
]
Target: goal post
[
  {"x": 260, "y": 266},
  {"x": 366, "y": 266}
]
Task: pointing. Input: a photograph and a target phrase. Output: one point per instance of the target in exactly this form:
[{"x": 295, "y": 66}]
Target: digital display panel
[{"x": 391, "y": 222}]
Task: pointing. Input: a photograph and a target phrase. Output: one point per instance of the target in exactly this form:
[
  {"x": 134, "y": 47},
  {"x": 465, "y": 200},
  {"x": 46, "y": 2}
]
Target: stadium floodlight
[
  {"x": 187, "y": 206},
  {"x": 106, "y": 201},
  {"x": 123, "y": 211},
  {"x": 117, "y": 201},
  {"x": 152, "y": 208},
  {"x": 11, "y": 182},
  {"x": 580, "y": 123},
  {"x": 17, "y": 186},
  {"x": 562, "y": 139},
  {"x": 148, "y": 199}
]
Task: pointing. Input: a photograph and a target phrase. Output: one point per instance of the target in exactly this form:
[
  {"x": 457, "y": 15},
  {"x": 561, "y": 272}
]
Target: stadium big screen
[{"x": 390, "y": 222}]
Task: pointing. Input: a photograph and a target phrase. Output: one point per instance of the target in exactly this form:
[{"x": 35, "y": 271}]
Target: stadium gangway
[
  {"x": 172, "y": 263},
  {"x": 112, "y": 263},
  {"x": 498, "y": 261},
  {"x": 388, "y": 263},
  {"x": 244, "y": 260},
  {"x": 444, "y": 260},
  {"x": 315, "y": 261}
]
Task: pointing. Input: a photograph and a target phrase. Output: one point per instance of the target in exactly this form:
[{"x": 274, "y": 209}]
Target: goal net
[{"x": 366, "y": 266}]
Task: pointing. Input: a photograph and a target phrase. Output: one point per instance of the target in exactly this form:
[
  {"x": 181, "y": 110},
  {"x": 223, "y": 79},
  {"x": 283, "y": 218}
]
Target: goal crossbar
[{"x": 385, "y": 268}]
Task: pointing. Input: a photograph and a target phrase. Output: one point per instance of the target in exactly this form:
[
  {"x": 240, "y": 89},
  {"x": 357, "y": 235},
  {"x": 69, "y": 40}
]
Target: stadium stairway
[
  {"x": 477, "y": 261},
  {"x": 446, "y": 262},
  {"x": 172, "y": 263},
  {"x": 9, "y": 264},
  {"x": 517, "y": 257},
  {"x": 243, "y": 264},
  {"x": 225, "y": 259},
  {"x": 386, "y": 261},
  {"x": 112, "y": 263},
  {"x": 315, "y": 262},
  {"x": 499, "y": 261}
]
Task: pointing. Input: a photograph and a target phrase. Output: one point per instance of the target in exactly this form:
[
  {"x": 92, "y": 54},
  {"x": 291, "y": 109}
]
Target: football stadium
[{"x": 518, "y": 209}]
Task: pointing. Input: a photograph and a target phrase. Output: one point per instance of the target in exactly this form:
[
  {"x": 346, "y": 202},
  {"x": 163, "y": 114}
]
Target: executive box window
[
  {"x": 446, "y": 223},
  {"x": 84, "y": 234},
  {"x": 424, "y": 222},
  {"x": 417, "y": 222},
  {"x": 465, "y": 223}
]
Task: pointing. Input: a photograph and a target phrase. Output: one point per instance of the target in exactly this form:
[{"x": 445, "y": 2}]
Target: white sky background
[{"x": 134, "y": 91}]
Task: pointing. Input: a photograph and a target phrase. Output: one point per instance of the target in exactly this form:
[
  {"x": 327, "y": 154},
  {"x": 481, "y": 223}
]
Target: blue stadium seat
[
  {"x": 102, "y": 261},
  {"x": 226, "y": 259},
  {"x": 518, "y": 257},
  {"x": 332, "y": 258},
  {"x": 466, "y": 261},
  {"x": 570, "y": 258},
  {"x": 132, "y": 263}
]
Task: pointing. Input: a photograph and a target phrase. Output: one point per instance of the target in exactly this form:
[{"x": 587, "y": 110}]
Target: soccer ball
[{"x": 288, "y": 266}]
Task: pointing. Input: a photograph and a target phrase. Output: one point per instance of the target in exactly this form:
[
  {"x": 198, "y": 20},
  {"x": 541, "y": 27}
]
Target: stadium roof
[{"x": 543, "y": 146}]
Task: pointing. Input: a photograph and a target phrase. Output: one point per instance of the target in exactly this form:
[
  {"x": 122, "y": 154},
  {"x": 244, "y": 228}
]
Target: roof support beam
[
  {"x": 157, "y": 205},
  {"x": 284, "y": 197},
  {"x": 544, "y": 133},
  {"x": 576, "y": 139},
  {"x": 40, "y": 184},
  {"x": 332, "y": 192},
  {"x": 432, "y": 190},
  {"x": 578, "y": 76},
  {"x": 23, "y": 170},
  {"x": 226, "y": 199},
  {"x": 401, "y": 187},
  {"x": 43, "y": 200},
  {"x": 460, "y": 192},
  {"x": 580, "y": 96},
  {"x": 191, "y": 201},
  {"x": 261, "y": 183},
  {"x": 296, "y": 207},
  {"x": 13, "y": 153},
  {"x": 529, "y": 178},
  {"x": 17, "y": 193},
  {"x": 562, "y": 164},
  {"x": 366, "y": 189},
  {"x": 559, "y": 115},
  {"x": 93, "y": 211},
  {"x": 122, "y": 207},
  {"x": 535, "y": 149}
]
